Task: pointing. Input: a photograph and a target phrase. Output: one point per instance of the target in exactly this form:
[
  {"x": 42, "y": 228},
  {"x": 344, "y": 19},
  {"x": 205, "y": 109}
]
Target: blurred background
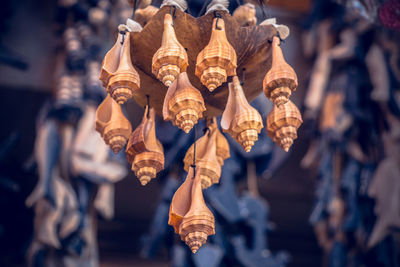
[{"x": 333, "y": 200}]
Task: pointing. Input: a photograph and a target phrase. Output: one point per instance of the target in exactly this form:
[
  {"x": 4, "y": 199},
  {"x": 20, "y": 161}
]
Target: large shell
[
  {"x": 282, "y": 124},
  {"x": 207, "y": 163},
  {"x": 217, "y": 60},
  {"x": 143, "y": 15},
  {"x": 183, "y": 103},
  {"x": 198, "y": 223},
  {"x": 125, "y": 80},
  {"x": 110, "y": 62},
  {"x": 246, "y": 15},
  {"x": 144, "y": 151},
  {"x": 171, "y": 58},
  {"x": 280, "y": 80},
  {"x": 240, "y": 120},
  {"x": 112, "y": 124}
]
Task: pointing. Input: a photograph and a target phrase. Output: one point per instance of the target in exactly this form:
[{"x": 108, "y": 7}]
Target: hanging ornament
[
  {"x": 111, "y": 61},
  {"x": 222, "y": 144},
  {"x": 218, "y": 59},
  {"x": 183, "y": 103},
  {"x": 144, "y": 151},
  {"x": 282, "y": 124},
  {"x": 199, "y": 222},
  {"x": 280, "y": 80},
  {"x": 125, "y": 80},
  {"x": 171, "y": 58},
  {"x": 240, "y": 120},
  {"x": 112, "y": 125},
  {"x": 245, "y": 15}
]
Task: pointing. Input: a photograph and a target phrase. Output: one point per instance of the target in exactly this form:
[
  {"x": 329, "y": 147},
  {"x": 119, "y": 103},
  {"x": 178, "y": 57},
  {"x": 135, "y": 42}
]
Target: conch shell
[
  {"x": 112, "y": 125},
  {"x": 171, "y": 58},
  {"x": 183, "y": 103},
  {"x": 239, "y": 119},
  {"x": 218, "y": 59},
  {"x": 282, "y": 124},
  {"x": 280, "y": 80}
]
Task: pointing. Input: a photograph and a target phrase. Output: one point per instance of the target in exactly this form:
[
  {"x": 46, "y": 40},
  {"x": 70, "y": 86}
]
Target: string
[
  {"x": 194, "y": 153},
  {"x": 203, "y": 7},
  {"x": 148, "y": 106},
  {"x": 173, "y": 15},
  {"x": 218, "y": 16}
]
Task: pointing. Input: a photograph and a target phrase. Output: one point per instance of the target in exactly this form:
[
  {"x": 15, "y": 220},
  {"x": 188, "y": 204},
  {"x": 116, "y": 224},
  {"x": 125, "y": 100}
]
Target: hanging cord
[
  {"x": 172, "y": 12},
  {"x": 194, "y": 153},
  {"x": 280, "y": 38},
  {"x": 203, "y": 8},
  {"x": 243, "y": 76},
  {"x": 123, "y": 36},
  {"x": 134, "y": 8},
  {"x": 148, "y": 106},
  {"x": 262, "y": 9},
  {"x": 218, "y": 16}
]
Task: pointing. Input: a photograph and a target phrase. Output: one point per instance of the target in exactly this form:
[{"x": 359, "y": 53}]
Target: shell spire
[
  {"x": 198, "y": 223},
  {"x": 280, "y": 80},
  {"x": 218, "y": 59},
  {"x": 240, "y": 120},
  {"x": 144, "y": 151},
  {"x": 171, "y": 58},
  {"x": 282, "y": 124},
  {"x": 112, "y": 124},
  {"x": 125, "y": 80},
  {"x": 183, "y": 103}
]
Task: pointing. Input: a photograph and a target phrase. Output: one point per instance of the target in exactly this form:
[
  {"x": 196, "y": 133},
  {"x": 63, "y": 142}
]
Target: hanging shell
[
  {"x": 171, "y": 58},
  {"x": 142, "y": 16},
  {"x": 183, "y": 103},
  {"x": 222, "y": 144},
  {"x": 282, "y": 124},
  {"x": 125, "y": 81},
  {"x": 240, "y": 120},
  {"x": 180, "y": 203},
  {"x": 217, "y": 60},
  {"x": 198, "y": 223},
  {"x": 245, "y": 15},
  {"x": 144, "y": 151},
  {"x": 112, "y": 125},
  {"x": 110, "y": 62},
  {"x": 280, "y": 80}
]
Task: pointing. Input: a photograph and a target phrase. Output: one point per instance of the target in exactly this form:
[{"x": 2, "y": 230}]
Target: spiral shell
[
  {"x": 171, "y": 58},
  {"x": 112, "y": 124},
  {"x": 217, "y": 60},
  {"x": 183, "y": 103},
  {"x": 125, "y": 80},
  {"x": 146, "y": 165},
  {"x": 280, "y": 80},
  {"x": 240, "y": 120},
  {"x": 282, "y": 124}
]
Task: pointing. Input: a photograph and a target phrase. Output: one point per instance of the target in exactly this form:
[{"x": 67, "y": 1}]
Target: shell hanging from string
[
  {"x": 183, "y": 103},
  {"x": 218, "y": 59},
  {"x": 282, "y": 124},
  {"x": 222, "y": 144},
  {"x": 280, "y": 80},
  {"x": 171, "y": 58},
  {"x": 112, "y": 124},
  {"x": 144, "y": 151},
  {"x": 198, "y": 223},
  {"x": 239, "y": 119}
]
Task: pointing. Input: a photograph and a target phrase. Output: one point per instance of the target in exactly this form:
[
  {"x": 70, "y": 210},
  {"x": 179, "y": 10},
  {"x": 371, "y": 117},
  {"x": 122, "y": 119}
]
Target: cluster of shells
[{"x": 184, "y": 106}]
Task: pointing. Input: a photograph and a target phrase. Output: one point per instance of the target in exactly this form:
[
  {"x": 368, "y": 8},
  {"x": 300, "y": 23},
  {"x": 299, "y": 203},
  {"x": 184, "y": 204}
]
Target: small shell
[
  {"x": 183, "y": 103},
  {"x": 280, "y": 80},
  {"x": 198, "y": 223},
  {"x": 125, "y": 80},
  {"x": 112, "y": 124},
  {"x": 171, "y": 58},
  {"x": 246, "y": 15},
  {"x": 240, "y": 120},
  {"x": 144, "y": 151},
  {"x": 217, "y": 60},
  {"x": 282, "y": 124}
]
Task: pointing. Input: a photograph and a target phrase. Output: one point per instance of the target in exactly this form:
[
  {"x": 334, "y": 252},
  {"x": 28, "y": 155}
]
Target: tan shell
[
  {"x": 144, "y": 151},
  {"x": 198, "y": 223},
  {"x": 171, "y": 58},
  {"x": 217, "y": 60},
  {"x": 183, "y": 103},
  {"x": 222, "y": 144},
  {"x": 246, "y": 15},
  {"x": 112, "y": 125},
  {"x": 110, "y": 62},
  {"x": 207, "y": 162},
  {"x": 125, "y": 80},
  {"x": 280, "y": 80},
  {"x": 282, "y": 124},
  {"x": 240, "y": 120},
  {"x": 142, "y": 16}
]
